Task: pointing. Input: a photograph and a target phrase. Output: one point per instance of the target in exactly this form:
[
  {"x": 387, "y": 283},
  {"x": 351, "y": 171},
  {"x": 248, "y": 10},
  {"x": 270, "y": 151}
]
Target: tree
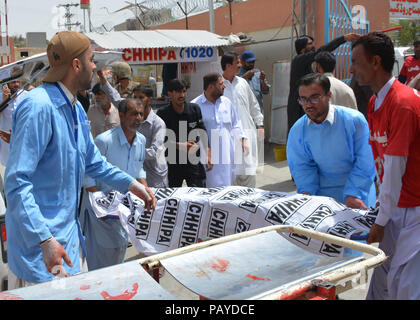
[
  {"x": 20, "y": 41},
  {"x": 409, "y": 32}
]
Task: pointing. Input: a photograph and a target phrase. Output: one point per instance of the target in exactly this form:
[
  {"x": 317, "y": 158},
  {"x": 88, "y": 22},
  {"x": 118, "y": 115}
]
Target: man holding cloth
[
  {"x": 124, "y": 147},
  {"x": 394, "y": 125},
  {"x": 50, "y": 151},
  {"x": 328, "y": 150}
]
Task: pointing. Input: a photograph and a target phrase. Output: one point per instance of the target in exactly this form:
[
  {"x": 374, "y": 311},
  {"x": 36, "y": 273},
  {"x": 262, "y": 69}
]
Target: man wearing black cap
[
  {"x": 255, "y": 77},
  {"x": 302, "y": 65},
  {"x": 50, "y": 151}
]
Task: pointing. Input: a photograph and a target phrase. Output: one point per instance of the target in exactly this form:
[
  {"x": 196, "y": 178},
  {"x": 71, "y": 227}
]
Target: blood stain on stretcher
[
  {"x": 127, "y": 295},
  {"x": 257, "y": 278},
  {"x": 220, "y": 265},
  {"x": 9, "y": 296}
]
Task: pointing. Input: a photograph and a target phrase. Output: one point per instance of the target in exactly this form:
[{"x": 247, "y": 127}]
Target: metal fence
[{"x": 340, "y": 19}]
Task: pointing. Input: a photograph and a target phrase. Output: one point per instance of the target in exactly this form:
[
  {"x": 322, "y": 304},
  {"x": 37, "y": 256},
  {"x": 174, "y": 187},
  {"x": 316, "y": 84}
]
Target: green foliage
[
  {"x": 409, "y": 32},
  {"x": 20, "y": 41}
]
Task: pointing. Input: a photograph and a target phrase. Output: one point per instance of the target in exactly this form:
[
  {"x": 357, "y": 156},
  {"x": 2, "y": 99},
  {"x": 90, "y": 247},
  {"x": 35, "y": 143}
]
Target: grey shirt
[{"x": 154, "y": 129}]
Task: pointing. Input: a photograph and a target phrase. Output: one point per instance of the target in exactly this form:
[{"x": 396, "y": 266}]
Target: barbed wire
[{"x": 190, "y": 6}]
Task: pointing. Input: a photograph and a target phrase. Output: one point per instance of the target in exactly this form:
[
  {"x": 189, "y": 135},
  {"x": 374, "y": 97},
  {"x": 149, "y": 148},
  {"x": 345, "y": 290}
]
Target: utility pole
[
  {"x": 211, "y": 15},
  {"x": 85, "y": 6},
  {"x": 68, "y": 15}
]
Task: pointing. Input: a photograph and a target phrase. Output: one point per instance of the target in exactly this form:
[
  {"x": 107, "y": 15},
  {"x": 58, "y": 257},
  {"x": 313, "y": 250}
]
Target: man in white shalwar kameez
[
  {"x": 252, "y": 120},
  {"x": 223, "y": 129}
]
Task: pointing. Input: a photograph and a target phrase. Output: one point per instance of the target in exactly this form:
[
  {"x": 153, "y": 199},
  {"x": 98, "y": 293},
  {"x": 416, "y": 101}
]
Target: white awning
[{"x": 158, "y": 39}]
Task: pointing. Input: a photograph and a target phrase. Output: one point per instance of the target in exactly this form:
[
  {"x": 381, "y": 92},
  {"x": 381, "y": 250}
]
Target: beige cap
[
  {"x": 122, "y": 70},
  {"x": 62, "y": 49}
]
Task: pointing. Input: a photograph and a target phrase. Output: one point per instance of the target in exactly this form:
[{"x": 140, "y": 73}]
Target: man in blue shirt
[
  {"x": 328, "y": 148},
  {"x": 255, "y": 77},
  {"x": 124, "y": 147},
  {"x": 51, "y": 149}
]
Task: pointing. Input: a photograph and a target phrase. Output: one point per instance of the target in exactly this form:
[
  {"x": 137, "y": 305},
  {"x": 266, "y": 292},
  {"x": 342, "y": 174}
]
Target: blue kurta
[
  {"x": 43, "y": 180},
  {"x": 106, "y": 240},
  {"x": 333, "y": 160}
]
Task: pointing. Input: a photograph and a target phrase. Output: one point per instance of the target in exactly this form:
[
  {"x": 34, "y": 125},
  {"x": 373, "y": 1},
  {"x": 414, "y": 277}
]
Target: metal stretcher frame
[{"x": 349, "y": 274}]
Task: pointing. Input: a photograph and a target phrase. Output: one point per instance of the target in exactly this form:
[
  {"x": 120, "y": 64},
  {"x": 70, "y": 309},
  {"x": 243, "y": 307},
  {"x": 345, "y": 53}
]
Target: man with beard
[
  {"x": 103, "y": 115},
  {"x": 223, "y": 129},
  {"x": 302, "y": 65},
  {"x": 328, "y": 149},
  {"x": 186, "y": 138},
  {"x": 252, "y": 120},
  {"x": 255, "y": 77},
  {"x": 124, "y": 147},
  {"x": 153, "y": 129},
  {"x": 51, "y": 149}
]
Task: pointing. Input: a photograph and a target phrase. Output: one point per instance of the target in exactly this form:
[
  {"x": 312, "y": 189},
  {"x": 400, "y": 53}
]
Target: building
[{"x": 268, "y": 25}]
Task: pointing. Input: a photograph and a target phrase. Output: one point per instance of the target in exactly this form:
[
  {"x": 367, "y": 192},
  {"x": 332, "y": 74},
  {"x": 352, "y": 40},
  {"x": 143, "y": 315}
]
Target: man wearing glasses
[{"x": 328, "y": 148}]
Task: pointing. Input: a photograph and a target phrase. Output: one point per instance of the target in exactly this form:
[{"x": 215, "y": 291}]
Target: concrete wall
[
  {"x": 249, "y": 16},
  {"x": 259, "y": 15}
]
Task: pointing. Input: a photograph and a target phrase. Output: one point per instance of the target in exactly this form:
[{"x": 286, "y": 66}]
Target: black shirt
[
  {"x": 302, "y": 65},
  {"x": 84, "y": 100},
  {"x": 180, "y": 126}
]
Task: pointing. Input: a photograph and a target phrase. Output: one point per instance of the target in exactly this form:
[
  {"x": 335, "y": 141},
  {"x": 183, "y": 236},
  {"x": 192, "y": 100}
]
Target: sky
[{"x": 43, "y": 15}]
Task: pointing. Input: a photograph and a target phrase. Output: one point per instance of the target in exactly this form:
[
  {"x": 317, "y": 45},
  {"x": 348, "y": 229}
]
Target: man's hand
[
  {"x": 249, "y": 74},
  {"x": 350, "y": 37},
  {"x": 245, "y": 148},
  {"x": 189, "y": 146},
  {"x": 52, "y": 253},
  {"x": 151, "y": 195},
  {"x": 209, "y": 163},
  {"x": 143, "y": 193},
  {"x": 355, "y": 203},
  {"x": 101, "y": 76},
  {"x": 6, "y": 92},
  {"x": 262, "y": 75},
  {"x": 376, "y": 234},
  {"x": 5, "y": 136}
]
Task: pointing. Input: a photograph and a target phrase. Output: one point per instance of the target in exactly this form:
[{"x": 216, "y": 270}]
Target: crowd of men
[{"x": 64, "y": 146}]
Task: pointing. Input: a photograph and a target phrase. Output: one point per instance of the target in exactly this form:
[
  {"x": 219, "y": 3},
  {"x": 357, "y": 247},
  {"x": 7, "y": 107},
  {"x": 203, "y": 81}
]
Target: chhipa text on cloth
[{"x": 183, "y": 216}]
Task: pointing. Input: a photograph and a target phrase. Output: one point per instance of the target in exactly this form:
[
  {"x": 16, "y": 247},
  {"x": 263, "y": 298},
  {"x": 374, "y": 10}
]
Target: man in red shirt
[
  {"x": 394, "y": 125},
  {"x": 411, "y": 66}
]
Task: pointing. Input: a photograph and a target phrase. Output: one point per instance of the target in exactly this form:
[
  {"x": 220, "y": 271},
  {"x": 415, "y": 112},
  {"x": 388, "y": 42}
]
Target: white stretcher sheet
[{"x": 185, "y": 215}]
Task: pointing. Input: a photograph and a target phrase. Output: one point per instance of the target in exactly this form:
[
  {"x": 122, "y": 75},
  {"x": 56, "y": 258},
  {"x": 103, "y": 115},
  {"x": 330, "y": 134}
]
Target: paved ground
[{"x": 274, "y": 176}]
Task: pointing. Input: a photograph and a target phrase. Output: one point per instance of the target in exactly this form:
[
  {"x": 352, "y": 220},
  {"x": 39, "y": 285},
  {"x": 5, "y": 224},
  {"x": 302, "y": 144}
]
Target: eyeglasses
[{"x": 312, "y": 99}]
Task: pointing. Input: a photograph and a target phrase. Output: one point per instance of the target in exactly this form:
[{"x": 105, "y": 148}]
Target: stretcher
[{"x": 258, "y": 264}]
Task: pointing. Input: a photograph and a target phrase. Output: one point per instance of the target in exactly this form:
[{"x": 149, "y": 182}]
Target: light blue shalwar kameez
[
  {"x": 333, "y": 158},
  {"x": 106, "y": 240},
  {"x": 43, "y": 179}
]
